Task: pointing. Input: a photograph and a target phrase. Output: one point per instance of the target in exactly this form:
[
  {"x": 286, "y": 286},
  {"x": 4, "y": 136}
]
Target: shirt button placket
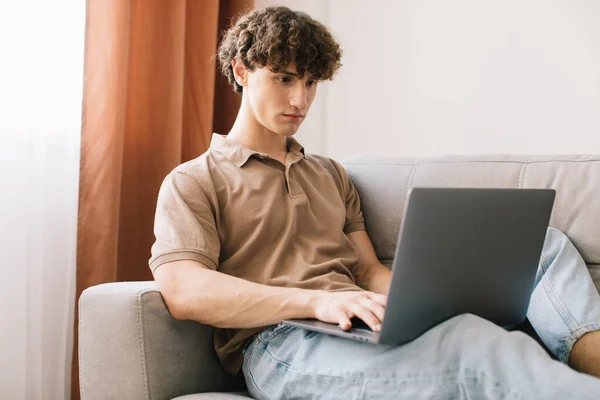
[{"x": 287, "y": 180}]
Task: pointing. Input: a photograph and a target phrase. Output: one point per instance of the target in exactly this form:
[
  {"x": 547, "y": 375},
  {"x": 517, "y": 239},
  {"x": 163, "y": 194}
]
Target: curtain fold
[{"x": 149, "y": 105}]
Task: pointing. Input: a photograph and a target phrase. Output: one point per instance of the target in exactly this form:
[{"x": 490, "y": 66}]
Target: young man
[{"x": 255, "y": 231}]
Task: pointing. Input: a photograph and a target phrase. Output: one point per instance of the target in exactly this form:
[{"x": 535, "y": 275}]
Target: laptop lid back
[{"x": 463, "y": 250}]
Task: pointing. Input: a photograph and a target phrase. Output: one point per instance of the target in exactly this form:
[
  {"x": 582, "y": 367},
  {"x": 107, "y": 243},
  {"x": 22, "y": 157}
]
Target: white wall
[{"x": 423, "y": 78}]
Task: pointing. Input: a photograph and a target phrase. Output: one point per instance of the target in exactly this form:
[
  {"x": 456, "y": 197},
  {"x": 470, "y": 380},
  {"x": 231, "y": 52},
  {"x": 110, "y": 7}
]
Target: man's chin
[{"x": 287, "y": 131}]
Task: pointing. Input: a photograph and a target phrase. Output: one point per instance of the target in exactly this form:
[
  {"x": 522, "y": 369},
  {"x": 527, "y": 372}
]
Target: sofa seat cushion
[{"x": 216, "y": 396}]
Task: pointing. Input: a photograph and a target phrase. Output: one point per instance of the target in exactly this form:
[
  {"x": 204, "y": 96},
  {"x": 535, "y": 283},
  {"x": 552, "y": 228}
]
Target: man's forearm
[
  {"x": 194, "y": 292},
  {"x": 375, "y": 278}
]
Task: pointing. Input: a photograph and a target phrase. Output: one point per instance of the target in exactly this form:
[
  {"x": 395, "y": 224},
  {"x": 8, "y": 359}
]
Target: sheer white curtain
[{"x": 41, "y": 75}]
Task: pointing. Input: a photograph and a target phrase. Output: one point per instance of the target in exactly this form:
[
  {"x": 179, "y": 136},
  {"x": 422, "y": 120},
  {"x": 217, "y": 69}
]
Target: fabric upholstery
[
  {"x": 383, "y": 184},
  {"x": 131, "y": 348}
]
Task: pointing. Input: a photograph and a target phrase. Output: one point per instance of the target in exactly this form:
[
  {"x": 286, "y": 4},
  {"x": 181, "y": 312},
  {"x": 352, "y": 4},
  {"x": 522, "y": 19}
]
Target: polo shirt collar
[{"x": 239, "y": 155}]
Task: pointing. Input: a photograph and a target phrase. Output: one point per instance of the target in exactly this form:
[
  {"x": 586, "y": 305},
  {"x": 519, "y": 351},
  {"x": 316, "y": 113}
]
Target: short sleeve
[
  {"x": 184, "y": 224},
  {"x": 354, "y": 216}
]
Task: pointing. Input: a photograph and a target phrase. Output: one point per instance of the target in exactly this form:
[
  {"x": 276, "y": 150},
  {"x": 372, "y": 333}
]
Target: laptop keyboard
[{"x": 359, "y": 324}]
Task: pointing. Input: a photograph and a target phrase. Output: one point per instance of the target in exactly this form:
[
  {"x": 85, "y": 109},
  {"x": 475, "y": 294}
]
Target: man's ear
[{"x": 240, "y": 72}]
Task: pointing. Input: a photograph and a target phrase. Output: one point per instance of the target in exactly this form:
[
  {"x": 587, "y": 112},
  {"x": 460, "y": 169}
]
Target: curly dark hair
[{"x": 276, "y": 36}]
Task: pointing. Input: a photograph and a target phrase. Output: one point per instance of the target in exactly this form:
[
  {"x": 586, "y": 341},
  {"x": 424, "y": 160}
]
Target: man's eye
[
  {"x": 311, "y": 83},
  {"x": 285, "y": 79}
]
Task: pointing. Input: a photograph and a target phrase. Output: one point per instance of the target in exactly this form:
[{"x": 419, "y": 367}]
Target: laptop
[{"x": 459, "y": 250}]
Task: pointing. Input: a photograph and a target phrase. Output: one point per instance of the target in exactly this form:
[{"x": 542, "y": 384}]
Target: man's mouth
[{"x": 295, "y": 116}]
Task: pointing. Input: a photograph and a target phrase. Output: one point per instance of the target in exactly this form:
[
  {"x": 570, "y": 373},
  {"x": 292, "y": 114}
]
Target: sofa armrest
[{"x": 130, "y": 347}]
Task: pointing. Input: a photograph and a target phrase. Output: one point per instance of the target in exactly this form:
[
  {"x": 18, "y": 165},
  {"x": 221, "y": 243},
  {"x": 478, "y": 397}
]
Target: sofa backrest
[{"x": 383, "y": 183}]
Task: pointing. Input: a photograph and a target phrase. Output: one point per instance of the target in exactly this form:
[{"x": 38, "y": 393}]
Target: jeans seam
[
  {"x": 447, "y": 374},
  {"x": 255, "y": 386},
  {"x": 576, "y": 331},
  {"x": 573, "y": 338},
  {"x": 558, "y": 305},
  {"x": 498, "y": 386},
  {"x": 248, "y": 354}
]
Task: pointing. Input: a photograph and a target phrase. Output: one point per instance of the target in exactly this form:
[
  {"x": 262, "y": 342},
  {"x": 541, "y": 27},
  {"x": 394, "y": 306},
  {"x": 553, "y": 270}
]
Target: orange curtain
[{"x": 152, "y": 98}]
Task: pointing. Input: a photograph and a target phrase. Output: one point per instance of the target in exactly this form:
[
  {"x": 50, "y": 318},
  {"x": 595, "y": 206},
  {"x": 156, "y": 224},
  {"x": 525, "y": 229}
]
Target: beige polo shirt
[{"x": 245, "y": 214}]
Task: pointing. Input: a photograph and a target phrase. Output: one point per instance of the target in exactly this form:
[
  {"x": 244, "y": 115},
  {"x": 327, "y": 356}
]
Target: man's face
[{"x": 280, "y": 100}]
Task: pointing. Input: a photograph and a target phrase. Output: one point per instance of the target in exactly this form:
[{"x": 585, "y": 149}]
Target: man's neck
[
  {"x": 262, "y": 142},
  {"x": 247, "y": 132}
]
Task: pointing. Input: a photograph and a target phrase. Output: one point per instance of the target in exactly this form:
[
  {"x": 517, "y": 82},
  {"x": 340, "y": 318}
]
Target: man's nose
[{"x": 298, "y": 99}]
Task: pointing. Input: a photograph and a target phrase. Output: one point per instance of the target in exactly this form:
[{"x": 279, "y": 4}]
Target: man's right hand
[{"x": 339, "y": 307}]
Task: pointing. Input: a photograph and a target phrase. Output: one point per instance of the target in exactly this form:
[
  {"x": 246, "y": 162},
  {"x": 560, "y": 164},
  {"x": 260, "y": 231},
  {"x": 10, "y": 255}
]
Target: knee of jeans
[
  {"x": 474, "y": 336},
  {"x": 554, "y": 235},
  {"x": 554, "y": 242},
  {"x": 467, "y": 328},
  {"x": 474, "y": 329},
  {"x": 471, "y": 321}
]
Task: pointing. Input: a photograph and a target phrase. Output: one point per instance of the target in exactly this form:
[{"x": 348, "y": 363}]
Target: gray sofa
[{"x": 131, "y": 348}]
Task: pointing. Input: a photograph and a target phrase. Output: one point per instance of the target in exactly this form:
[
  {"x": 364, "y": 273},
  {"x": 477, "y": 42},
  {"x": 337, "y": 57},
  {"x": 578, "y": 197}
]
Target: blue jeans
[{"x": 465, "y": 357}]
